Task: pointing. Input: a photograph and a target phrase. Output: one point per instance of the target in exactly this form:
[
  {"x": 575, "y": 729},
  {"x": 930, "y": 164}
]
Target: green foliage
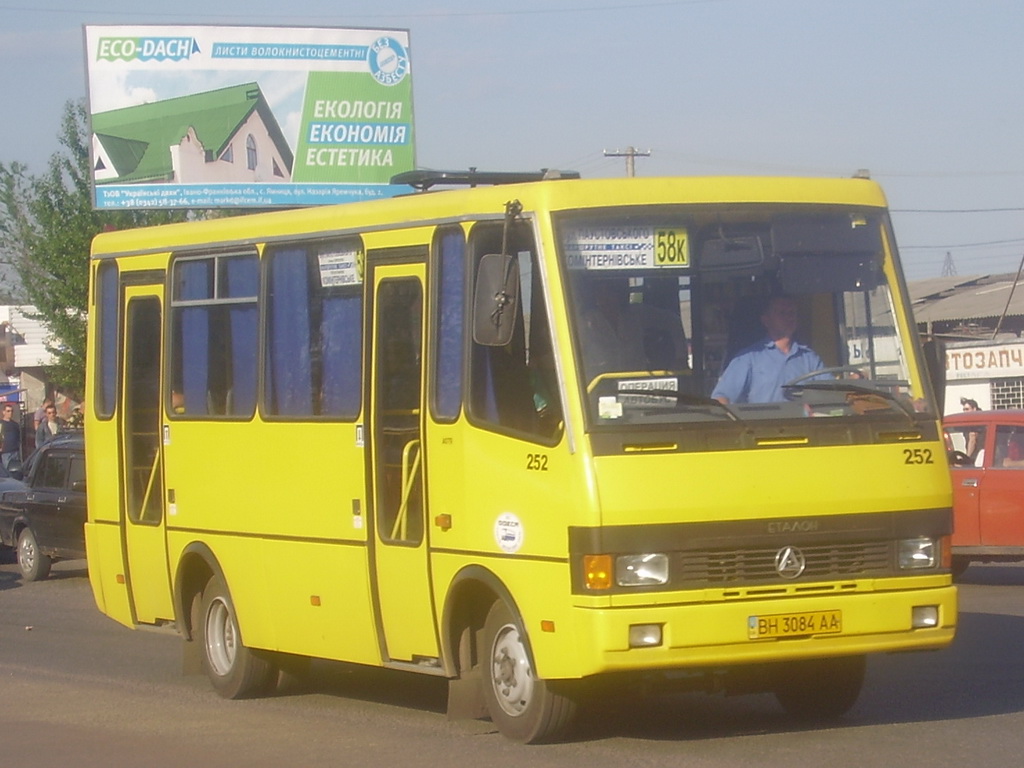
[{"x": 47, "y": 224}]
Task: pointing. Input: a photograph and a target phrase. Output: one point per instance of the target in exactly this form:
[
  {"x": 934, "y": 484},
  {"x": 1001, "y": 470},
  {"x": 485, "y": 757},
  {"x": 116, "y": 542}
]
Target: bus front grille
[{"x": 741, "y": 566}]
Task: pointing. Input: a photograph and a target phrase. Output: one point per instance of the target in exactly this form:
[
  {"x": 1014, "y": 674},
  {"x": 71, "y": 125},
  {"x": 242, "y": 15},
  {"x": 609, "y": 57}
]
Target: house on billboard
[{"x": 228, "y": 135}]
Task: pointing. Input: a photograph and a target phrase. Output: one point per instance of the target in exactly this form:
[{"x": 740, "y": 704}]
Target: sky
[{"x": 926, "y": 95}]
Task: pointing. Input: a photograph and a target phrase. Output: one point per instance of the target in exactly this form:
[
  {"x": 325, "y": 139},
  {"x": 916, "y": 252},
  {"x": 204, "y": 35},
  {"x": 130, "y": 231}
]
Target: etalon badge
[{"x": 790, "y": 562}]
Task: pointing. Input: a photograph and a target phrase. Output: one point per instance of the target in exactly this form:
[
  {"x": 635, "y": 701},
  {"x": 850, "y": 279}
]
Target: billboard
[{"x": 232, "y": 116}]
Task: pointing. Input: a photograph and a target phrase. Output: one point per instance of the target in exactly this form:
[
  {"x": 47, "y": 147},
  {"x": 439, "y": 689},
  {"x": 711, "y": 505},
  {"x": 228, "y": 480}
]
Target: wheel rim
[
  {"x": 511, "y": 677},
  {"x": 26, "y": 553},
  {"x": 221, "y": 638}
]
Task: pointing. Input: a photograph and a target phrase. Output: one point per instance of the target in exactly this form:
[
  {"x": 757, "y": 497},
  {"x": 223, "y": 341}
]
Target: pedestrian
[
  {"x": 40, "y": 414},
  {"x": 49, "y": 427},
  {"x": 10, "y": 438}
]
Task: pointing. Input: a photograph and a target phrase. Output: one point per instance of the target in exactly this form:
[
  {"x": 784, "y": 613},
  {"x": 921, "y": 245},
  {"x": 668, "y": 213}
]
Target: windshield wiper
[{"x": 683, "y": 399}]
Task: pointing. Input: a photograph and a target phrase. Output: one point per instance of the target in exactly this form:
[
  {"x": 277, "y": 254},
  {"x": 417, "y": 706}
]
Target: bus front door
[
  {"x": 144, "y": 523},
  {"x": 401, "y": 561}
]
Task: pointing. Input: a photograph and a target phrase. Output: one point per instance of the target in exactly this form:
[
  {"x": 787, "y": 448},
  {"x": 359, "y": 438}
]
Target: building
[
  {"x": 980, "y": 319},
  {"x": 24, "y": 357}
]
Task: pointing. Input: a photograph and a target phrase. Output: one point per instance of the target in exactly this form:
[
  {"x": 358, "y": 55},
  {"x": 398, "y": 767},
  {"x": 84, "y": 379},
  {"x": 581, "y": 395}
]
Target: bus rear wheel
[
  {"x": 236, "y": 672},
  {"x": 821, "y": 689},
  {"x": 523, "y": 707}
]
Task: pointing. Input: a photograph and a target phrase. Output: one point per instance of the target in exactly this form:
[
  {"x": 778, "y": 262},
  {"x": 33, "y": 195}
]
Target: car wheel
[
  {"x": 236, "y": 672},
  {"x": 34, "y": 565},
  {"x": 523, "y": 707},
  {"x": 960, "y": 565}
]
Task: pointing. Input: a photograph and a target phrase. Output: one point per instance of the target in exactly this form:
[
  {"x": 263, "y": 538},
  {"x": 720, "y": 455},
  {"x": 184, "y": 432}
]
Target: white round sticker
[{"x": 508, "y": 532}]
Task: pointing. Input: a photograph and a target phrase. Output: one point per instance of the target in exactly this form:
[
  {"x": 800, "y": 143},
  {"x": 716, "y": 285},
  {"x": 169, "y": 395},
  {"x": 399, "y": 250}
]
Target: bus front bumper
[{"x": 722, "y": 634}]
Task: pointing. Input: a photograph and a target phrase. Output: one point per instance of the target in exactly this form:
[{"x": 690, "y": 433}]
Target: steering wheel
[
  {"x": 821, "y": 371},
  {"x": 960, "y": 459}
]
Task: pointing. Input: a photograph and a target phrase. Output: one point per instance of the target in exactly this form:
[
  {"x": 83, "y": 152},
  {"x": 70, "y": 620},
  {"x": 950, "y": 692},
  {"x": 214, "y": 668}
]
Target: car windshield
[{"x": 705, "y": 314}]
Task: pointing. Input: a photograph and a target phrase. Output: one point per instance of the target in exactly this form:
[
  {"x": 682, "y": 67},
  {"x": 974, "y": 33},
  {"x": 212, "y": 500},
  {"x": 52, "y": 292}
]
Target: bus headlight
[
  {"x": 641, "y": 570},
  {"x": 915, "y": 554}
]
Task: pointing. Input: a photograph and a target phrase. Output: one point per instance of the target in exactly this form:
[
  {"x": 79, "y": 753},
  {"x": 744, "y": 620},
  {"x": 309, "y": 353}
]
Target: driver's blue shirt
[{"x": 756, "y": 374}]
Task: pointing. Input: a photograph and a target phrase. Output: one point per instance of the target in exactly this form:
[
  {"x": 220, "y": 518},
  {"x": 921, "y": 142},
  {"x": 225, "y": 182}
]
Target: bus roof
[{"x": 426, "y": 208}]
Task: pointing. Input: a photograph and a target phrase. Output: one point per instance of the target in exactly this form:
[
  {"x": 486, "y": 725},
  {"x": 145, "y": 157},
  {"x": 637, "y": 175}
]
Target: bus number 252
[
  {"x": 538, "y": 462},
  {"x": 917, "y": 456}
]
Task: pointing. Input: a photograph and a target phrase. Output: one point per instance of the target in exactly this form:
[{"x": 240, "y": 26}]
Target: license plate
[{"x": 795, "y": 624}]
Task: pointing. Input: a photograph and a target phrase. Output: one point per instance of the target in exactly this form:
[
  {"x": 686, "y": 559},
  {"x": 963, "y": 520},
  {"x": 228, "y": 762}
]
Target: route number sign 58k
[{"x": 671, "y": 248}]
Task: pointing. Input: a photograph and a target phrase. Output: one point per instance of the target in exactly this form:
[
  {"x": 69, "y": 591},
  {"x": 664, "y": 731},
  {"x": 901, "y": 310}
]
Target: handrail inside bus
[
  {"x": 150, "y": 484},
  {"x": 399, "y": 530}
]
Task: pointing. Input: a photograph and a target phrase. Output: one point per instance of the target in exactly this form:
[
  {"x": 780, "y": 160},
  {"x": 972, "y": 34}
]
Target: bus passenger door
[
  {"x": 401, "y": 561},
  {"x": 142, "y": 458}
]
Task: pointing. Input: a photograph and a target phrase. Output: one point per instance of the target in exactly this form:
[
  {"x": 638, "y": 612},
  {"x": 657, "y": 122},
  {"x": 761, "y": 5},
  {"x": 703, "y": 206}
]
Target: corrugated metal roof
[
  {"x": 32, "y": 356},
  {"x": 30, "y": 350},
  {"x": 935, "y": 286},
  {"x": 966, "y": 298}
]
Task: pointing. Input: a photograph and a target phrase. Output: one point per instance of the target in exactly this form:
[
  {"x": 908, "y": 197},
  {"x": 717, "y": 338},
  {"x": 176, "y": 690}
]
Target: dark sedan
[{"x": 43, "y": 515}]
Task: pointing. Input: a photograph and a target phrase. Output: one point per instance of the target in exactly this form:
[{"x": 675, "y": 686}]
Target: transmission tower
[{"x": 948, "y": 267}]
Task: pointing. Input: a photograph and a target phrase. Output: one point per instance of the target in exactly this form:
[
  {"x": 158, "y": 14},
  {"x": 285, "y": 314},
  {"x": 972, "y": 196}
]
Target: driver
[{"x": 756, "y": 374}]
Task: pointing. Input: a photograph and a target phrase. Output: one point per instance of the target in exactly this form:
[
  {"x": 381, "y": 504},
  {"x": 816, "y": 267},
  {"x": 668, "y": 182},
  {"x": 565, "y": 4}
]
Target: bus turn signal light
[{"x": 597, "y": 571}]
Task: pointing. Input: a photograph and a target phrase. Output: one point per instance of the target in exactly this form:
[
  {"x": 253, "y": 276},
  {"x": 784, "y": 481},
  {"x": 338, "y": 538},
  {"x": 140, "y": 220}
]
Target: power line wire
[
  {"x": 956, "y": 210},
  {"x": 963, "y": 245},
  {"x": 412, "y": 14}
]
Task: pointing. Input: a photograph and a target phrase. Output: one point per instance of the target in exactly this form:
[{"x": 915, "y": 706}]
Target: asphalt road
[{"x": 77, "y": 689}]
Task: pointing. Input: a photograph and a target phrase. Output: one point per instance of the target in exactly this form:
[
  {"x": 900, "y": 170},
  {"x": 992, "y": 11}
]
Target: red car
[{"x": 986, "y": 455}]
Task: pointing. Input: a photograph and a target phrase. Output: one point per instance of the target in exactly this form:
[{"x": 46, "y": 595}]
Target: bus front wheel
[
  {"x": 236, "y": 672},
  {"x": 821, "y": 689},
  {"x": 523, "y": 707}
]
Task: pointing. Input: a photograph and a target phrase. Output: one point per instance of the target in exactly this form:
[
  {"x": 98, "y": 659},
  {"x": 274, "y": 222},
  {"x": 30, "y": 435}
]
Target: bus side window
[
  {"x": 313, "y": 354},
  {"x": 107, "y": 306},
  {"x": 515, "y": 386},
  {"x": 215, "y": 322},
  {"x": 449, "y": 303}
]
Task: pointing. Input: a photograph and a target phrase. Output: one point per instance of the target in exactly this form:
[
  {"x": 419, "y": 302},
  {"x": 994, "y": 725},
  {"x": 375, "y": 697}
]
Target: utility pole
[
  {"x": 1006, "y": 309},
  {"x": 630, "y": 154}
]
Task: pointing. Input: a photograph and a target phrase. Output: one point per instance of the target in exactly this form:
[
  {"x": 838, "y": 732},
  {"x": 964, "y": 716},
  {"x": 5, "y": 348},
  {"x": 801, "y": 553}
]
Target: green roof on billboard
[{"x": 137, "y": 139}]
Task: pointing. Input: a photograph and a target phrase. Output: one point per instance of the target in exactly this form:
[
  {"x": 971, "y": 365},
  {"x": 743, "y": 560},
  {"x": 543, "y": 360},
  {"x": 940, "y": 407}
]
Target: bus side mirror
[{"x": 495, "y": 299}]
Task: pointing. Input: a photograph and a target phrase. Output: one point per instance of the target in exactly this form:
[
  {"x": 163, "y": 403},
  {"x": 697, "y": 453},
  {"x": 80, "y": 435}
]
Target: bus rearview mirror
[{"x": 495, "y": 299}]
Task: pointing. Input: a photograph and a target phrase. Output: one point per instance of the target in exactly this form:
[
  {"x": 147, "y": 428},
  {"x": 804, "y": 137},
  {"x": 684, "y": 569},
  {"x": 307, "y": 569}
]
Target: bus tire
[
  {"x": 523, "y": 707},
  {"x": 33, "y": 564},
  {"x": 821, "y": 689},
  {"x": 236, "y": 672}
]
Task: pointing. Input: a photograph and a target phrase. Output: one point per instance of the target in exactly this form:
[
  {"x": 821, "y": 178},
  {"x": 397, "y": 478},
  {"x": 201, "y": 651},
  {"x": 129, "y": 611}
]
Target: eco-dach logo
[{"x": 146, "y": 48}]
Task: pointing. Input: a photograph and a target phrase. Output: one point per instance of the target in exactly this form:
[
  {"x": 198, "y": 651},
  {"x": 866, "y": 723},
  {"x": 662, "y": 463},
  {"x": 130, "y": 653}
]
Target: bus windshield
[{"x": 687, "y": 315}]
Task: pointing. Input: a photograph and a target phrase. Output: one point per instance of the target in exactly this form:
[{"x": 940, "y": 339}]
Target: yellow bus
[{"x": 481, "y": 431}]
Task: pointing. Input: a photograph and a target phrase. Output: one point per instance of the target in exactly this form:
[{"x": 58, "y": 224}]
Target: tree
[{"x": 47, "y": 224}]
